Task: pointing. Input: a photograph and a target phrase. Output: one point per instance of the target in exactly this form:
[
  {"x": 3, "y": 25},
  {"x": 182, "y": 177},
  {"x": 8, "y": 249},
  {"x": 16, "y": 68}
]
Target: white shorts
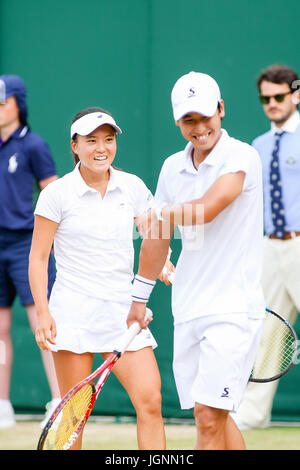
[
  {"x": 86, "y": 324},
  {"x": 213, "y": 358}
]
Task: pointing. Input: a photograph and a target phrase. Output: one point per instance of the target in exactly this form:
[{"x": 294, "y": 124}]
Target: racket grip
[{"x": 132, "y": 331}]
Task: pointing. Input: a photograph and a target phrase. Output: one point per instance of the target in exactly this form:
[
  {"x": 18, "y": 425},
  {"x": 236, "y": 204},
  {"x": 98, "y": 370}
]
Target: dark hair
[
  {"x": 279, "y": 74},
  {"x": 80, "y": 115}
]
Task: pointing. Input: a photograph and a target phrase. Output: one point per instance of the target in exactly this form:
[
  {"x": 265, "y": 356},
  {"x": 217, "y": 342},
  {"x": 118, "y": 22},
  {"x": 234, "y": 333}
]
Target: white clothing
[
  {"x": 93, "y": 248},
  {"x": 93, "y": 244},
  {"x": 7, "y": 414},
  {"x": 222, "y": 274},
  {"x": 89, "y": 324},
  {"x": 213, "y": 358}
]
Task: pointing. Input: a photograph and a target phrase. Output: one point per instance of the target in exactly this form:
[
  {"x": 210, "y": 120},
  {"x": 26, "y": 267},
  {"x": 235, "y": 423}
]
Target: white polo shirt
[
  {"x": 221, "y": 272},
  {"x": 93, "y": 245}
]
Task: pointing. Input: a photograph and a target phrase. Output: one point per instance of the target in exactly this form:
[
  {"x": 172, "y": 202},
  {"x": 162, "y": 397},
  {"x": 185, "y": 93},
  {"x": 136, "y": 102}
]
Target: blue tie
[{"x": 277, "y": 208}]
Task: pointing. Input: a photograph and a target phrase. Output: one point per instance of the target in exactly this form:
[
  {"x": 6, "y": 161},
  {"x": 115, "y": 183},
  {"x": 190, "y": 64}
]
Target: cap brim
[
  {"x": 206, "y": 109},
  {"x": 86, "y": 130},
  {"x": 89, "y": 122}
]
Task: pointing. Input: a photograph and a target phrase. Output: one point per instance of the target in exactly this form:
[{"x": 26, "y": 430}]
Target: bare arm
[
  {"x": 153, "y": 255},
  {"x": 43, "y": 183},
  {"x": 43, "y": 235},
  {"x": 222, "y": 193},
  {"x": 157, "y": 233}
]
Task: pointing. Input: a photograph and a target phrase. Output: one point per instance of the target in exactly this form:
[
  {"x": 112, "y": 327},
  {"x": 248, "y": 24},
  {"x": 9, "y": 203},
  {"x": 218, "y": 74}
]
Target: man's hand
[{"x": 167, "y": 271}]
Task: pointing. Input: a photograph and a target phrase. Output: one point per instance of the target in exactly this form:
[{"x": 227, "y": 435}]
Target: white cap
[
  {"x": 195, "y": 92},
  {"x": 89, "y": 122}
]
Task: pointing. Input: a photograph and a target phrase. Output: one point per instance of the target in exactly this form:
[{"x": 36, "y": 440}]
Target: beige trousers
[{"x": 281, "y": 285}]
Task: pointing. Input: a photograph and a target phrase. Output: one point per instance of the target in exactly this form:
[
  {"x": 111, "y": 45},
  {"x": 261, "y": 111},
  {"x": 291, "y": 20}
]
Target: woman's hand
[
  {"x": 45, "y": 332},
  {"x": 137, "y": 313}
]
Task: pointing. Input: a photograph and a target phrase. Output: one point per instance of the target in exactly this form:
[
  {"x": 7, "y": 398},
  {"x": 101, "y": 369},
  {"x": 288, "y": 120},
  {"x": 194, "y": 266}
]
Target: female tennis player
[{"x": 89, "y": 214}]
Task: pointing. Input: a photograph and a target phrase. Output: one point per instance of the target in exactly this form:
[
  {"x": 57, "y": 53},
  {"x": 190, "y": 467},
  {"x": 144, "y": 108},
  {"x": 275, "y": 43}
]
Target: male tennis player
[{"x": 213, "y": 191}]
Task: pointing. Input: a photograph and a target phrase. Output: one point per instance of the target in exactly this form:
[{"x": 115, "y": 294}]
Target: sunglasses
[{"x": 279, "y": 98}]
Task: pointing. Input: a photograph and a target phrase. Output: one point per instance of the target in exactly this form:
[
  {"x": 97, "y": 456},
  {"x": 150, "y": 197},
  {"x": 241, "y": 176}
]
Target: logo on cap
[{"x": 191, "y": 92}]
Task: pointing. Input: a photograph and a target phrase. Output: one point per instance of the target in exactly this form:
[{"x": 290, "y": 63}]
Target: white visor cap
[
  {"x": 195, "y": 92},
  {"x": 88, "y": 123}
]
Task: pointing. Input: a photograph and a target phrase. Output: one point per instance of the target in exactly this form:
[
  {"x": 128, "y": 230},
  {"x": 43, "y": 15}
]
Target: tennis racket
[
  {"x": 277, "y": 350},
  {"x": 69, "y": 418}
]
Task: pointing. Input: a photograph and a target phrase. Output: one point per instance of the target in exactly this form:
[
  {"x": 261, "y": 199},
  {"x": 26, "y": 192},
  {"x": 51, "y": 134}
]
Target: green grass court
[{"x": 111, "y": 435}]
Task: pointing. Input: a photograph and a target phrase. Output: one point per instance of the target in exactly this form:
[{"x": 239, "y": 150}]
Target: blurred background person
[
  {"x": 24, "y": 159},
  {"x": 279, "y": 149}
]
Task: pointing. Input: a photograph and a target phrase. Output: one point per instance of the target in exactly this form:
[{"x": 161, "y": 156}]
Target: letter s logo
[{"x": 225, "y": 392}]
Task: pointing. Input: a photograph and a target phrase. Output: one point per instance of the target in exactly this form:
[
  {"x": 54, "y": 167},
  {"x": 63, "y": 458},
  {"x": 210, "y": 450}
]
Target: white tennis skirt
[{"x": 86, "y": 324}]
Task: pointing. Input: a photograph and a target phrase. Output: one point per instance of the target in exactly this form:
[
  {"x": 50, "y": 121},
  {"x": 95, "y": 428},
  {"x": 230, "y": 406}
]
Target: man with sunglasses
[{"x": 279, "y": 150}]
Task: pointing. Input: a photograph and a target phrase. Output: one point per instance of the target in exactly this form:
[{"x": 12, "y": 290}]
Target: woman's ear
[{"x": 73, "y": 146}]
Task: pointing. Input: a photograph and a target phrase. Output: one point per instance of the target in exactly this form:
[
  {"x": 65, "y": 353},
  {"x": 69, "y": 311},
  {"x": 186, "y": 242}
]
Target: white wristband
[{"x": 142, "y": 288}]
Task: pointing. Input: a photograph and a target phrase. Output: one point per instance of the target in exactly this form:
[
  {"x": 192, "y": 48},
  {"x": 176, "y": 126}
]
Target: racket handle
[{"x": 132, "y": 331}]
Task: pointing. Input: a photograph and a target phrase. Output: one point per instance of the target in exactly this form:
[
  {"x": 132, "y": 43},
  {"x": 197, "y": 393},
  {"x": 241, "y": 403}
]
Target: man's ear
[
  {"x": 222, "y": 109},
  {"x": 296, "y": 97}
]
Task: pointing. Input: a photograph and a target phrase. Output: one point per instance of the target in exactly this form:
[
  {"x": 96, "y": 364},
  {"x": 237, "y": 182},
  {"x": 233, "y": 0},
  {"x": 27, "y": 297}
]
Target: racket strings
[
  {"x": 70, "y": 419},
  {"x": 276, "y": 349}
]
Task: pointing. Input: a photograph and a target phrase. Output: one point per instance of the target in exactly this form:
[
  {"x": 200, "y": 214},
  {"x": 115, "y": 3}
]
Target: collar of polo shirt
[
  {"x": 212, "y": 158},
  {"x": 83, "y": 188}
]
